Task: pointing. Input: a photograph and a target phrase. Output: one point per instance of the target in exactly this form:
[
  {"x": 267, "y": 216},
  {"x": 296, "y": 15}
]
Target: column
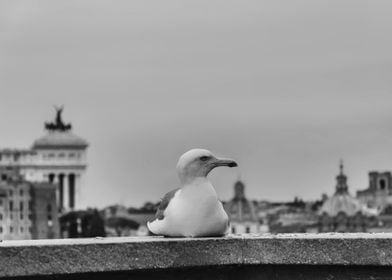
[
  {"x": 55, "y": 181},
  {"x": 77, "y": 190},
  {"x": 80, "y": 182},
  {"x": 66, "y": 193}
]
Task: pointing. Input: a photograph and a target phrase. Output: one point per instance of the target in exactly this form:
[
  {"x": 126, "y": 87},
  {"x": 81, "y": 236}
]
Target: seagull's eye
[{"x": 204, "y": 158}]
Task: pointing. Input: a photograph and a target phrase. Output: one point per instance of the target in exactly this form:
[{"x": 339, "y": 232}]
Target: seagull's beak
[{"x": 224, "y": 162}]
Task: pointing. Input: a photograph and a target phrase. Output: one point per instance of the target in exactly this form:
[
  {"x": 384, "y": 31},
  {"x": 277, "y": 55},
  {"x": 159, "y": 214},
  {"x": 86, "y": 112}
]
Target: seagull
[{"x": 193, "y": 209}]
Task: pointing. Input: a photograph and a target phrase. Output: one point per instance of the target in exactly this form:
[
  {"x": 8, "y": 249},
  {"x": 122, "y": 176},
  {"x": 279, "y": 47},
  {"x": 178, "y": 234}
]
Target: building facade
[
  {"x": 58, "y": 157},
  {"x": 27, "y": 210},
  {"x": 379, "y": 193},
  {"x": 45, "y": 220}
]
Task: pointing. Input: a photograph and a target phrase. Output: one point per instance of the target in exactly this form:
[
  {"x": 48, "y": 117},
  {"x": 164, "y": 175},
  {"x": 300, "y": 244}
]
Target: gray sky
[{"x": 285, "y": 87}]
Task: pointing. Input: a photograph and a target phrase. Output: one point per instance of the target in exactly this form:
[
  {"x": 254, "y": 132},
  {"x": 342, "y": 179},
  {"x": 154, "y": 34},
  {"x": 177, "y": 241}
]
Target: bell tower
[{"x": 341, "y": 180}]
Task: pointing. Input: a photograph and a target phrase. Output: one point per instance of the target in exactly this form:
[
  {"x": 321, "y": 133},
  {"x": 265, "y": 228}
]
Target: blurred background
[{"x": 298, "y": 92}]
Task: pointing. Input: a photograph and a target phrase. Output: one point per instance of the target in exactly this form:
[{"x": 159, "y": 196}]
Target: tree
[{"x": 95, "y": 225}]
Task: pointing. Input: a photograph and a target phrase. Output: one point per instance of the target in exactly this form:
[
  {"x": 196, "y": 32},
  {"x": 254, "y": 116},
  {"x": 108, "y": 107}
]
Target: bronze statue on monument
[{"x": 58, "y": 124}]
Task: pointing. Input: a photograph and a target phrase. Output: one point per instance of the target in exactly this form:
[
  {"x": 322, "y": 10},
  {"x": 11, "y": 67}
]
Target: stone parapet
[{"x": 267, "y": 256}]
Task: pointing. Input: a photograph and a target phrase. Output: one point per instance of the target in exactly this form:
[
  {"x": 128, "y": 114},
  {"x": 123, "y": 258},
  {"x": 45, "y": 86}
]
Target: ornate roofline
[{"x": 60, "y": 146}]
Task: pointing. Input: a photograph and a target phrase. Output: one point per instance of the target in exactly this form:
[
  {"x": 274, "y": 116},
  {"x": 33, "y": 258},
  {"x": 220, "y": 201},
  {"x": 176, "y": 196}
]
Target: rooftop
[{"x": 59, "y": 139}]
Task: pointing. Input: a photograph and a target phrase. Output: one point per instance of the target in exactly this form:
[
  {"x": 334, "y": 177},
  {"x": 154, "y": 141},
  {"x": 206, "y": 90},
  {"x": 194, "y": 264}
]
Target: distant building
[
  {"x": 44, "y": 211},
  {"x": 58, "y": 157},
  {"x": 82, "y": 223},
  {"x": 120, "y": 221},
  {"x": 291, "y": 217},
  {"x": 27, "y": 210},
  {"x": 379, "y": 193},
  {"x": 379, "y": 196},
  {"x": 342, "y": 212},
  {"x": 242, "y": 212},
  {"x": 292, "y": 221}
]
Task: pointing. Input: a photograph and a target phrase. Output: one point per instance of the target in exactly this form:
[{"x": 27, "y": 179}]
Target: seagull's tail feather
[
  {"x": 150, "y": 233},
  {"x": 152, "y": 228},
  {"x": 149, "y": 227}
]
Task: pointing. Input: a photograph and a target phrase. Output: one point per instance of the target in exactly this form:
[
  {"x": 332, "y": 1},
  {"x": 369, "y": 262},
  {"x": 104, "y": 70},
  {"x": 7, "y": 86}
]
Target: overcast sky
[{"x": 285, "y": 87}]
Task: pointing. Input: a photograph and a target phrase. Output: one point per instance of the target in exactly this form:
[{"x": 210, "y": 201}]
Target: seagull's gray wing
[{"x": 164, "y": 203}]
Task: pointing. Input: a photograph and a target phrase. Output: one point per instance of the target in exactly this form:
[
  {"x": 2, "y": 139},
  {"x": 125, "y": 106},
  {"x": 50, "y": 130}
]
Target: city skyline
[{"x": 286, "y": 89}]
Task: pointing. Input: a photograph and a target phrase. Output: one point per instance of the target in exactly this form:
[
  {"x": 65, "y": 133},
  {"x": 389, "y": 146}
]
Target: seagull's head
[{"x": 198, "y": 163}]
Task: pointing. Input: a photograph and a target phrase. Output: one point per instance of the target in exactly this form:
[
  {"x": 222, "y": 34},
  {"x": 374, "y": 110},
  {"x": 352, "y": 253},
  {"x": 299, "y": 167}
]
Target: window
[
  {"x": 21, "y": 206},
  {"x": 1, "y": 202},
  {"x": 1, "y": 229},
  {"x": 71, "y": 155},
  {"x": 1, "y": 217},
  {"x": 382, "y": 184},
  {"x": 247, "y": 229},
  {"x": 11, "y": 193},
  {"x": 21, "y": 229},
  {"x": 11, "y": 205},
  {"x": 233, "y": 230},
  {"x": 21, "y": 216},
  {"x": 51, "y": 155},
  {"x": 30, "y": 229},
  {"x": 11, "y": 229},
  {"x": 49, "y": 208},
  {"x": 61, "y": 155},
  {"x": 21, "y": 192},
  {"x": 3, "y": 177},
  {"x": 30, "y": 205},
  {"x": 388, "y": 210}
]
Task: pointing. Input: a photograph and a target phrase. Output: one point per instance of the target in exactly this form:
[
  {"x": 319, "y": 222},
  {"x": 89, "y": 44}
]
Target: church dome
[
  {"x": 341, "y": 203},
  {"x": 240, "y": 209},
  {"x": 59, "y": 139}
]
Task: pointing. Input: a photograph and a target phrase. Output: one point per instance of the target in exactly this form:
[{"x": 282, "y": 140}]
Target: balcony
[{"x": 283, "y": 256}]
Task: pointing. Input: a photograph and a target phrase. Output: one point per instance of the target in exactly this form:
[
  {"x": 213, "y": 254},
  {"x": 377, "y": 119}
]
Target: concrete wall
[{"x": 285, "y": 256}]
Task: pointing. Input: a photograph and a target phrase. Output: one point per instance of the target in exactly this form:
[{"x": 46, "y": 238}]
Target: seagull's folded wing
[{"x": 164, "y": 203}]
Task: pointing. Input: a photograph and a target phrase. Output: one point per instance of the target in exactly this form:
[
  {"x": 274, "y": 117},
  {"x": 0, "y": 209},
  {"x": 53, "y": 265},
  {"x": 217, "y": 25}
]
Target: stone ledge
[{"x": 78, "y": 256}]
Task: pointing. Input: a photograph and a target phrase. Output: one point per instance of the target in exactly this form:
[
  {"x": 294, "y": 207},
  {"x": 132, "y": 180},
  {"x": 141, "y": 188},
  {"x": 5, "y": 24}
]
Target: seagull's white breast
[{"x": 195, "y": 211}]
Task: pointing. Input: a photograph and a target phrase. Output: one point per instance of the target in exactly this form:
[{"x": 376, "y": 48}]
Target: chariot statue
[{"x": 58, "y": 124}]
